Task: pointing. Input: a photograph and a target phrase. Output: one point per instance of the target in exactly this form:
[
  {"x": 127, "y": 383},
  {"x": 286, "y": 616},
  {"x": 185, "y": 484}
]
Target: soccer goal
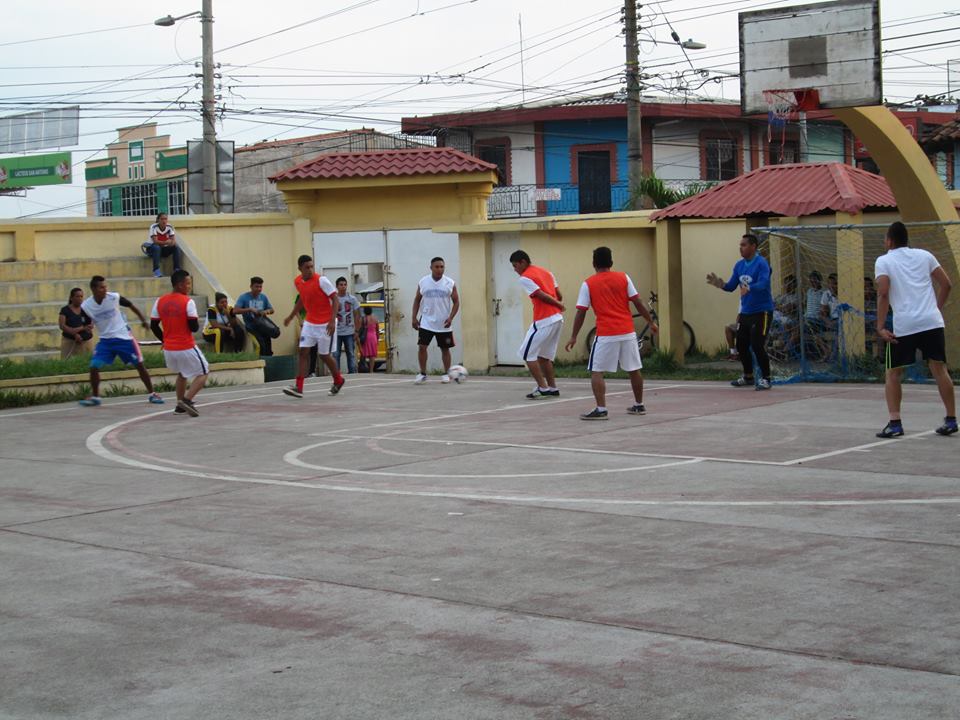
[{"x": 826, "y": 302}]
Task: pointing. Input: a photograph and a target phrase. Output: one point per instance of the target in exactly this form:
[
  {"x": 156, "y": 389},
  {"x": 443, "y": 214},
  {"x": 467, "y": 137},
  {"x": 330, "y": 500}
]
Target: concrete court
[{"x": 460, "y": 552}]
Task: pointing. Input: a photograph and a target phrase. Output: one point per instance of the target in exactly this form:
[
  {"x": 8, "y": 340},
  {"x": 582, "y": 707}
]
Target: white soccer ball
[{"x": 458, "y": 373}]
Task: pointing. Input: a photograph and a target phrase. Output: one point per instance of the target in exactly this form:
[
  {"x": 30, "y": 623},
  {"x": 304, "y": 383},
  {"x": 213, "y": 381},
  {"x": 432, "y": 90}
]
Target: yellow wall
[
  {"x": 7, "y": 246},
  {"x": 396, "y": 203},
  {"x": 233, "y": 247}
]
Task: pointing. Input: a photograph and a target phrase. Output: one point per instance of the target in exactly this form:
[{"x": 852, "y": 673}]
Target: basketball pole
[{"x": 634, "y": 140}]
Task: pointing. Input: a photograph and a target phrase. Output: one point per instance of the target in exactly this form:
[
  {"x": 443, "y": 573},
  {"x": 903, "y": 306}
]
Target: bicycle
[{"x": 646, "y": 340}]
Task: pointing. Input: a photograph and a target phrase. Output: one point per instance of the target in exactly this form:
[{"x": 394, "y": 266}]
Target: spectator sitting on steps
[
  {"x": 222, "y": 327},
  {"x": 162, "y": 242}
]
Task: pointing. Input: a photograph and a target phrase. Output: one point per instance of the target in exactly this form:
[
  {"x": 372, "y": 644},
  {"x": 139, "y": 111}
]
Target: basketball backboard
[{"x": 831, "y": 47}]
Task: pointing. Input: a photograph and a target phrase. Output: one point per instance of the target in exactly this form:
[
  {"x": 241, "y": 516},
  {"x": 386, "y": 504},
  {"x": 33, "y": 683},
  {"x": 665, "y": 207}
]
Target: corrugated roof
[
  {"x": 386, "y": 163},
  {"x": 304, "y": 140},
  {"x": 943, "y": 136},
  {"x": 791, "y": 190}
]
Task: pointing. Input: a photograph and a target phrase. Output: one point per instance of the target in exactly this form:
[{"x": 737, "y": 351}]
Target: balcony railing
[{"x": 518, "y": 201}]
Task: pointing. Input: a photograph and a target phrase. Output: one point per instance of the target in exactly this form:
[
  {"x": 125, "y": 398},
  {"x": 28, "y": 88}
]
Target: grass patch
[
  {"x": 53, "y": 367},
  {"x": 20, "y": 398}
]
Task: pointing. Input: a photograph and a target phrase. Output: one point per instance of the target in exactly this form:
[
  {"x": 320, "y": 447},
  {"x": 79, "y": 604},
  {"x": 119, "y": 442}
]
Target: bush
[{"x": 10, "y": 370}]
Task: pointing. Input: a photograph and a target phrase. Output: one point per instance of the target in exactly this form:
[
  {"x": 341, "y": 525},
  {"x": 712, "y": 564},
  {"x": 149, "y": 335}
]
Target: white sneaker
[
  {"x": 420, "y": 379},
  {"x": 444, "y": 378}
]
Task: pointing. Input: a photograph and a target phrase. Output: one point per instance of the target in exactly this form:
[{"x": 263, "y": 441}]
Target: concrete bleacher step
[
  {"x": 127, "y": 266},
  {"x": 26, "y": 315},
  {"x": 34, "y": 291}
]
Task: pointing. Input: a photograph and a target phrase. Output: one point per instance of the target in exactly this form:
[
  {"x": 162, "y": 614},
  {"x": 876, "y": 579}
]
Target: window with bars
[
  {"x": 103, "y": 205},
  {"x": 176, "y": 197},
  {"x": 139, "y": 199},
  {"x": 719, "y": 157}
]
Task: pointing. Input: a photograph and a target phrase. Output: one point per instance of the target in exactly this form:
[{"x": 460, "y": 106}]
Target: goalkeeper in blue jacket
[{"x": 751, "y": 275}]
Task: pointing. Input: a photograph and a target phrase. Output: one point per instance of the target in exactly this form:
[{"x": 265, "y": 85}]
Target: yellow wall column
[
  {"x": 850, "y": 274},
  {"x": 476, "y": 253},
  {"x": 25, "y": 244},
  {"x": 670, "y": 288}
]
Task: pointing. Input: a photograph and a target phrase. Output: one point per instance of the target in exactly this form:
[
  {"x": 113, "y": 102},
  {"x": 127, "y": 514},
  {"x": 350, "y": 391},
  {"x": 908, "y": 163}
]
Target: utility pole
[
  {"x": 208, "y": 109},
  {"x": 634, "y": 140}
]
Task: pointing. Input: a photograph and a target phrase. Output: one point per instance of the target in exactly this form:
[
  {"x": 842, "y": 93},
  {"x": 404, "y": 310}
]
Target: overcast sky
[{"x": 367, "y": 63}]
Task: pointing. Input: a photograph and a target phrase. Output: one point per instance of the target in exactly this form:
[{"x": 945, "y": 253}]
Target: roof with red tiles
[
  {"x": 386, "y": 163},
  {"x": 790, "y": 190}
]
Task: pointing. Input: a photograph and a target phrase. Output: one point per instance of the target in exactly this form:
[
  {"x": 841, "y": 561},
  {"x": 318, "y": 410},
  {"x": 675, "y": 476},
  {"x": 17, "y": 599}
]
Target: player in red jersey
[
  {"x": 539, "y": 347},
  {"x": 318, "y": 296},
  {"x": 610, "y": 293},
  {"x": 174, "y": 320}
]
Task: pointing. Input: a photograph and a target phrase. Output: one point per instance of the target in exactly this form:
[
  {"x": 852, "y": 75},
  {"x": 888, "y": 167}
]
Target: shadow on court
[{"x": 445, "y": 551}]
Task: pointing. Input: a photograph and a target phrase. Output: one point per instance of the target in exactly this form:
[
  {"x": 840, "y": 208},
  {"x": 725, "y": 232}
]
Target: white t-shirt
[
  {"x": 814, "y": 298},
  {"x": 912, "y": 297},
  {"x": 108, "y": 317},
  {"x": 436, "y": 302},
  {"x": 828, "y": 299},
  {"x": 168, "y": 231}
]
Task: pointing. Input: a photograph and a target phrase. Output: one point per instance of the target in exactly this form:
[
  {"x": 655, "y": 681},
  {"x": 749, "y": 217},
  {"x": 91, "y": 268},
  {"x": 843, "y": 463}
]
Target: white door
[{"x": 508, "y": 301}]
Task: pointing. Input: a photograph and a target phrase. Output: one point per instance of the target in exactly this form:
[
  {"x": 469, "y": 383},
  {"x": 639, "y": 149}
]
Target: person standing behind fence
[
  {"x": 348, "y": 318},
  {"x": 751, "y": 274},
  {"x": 162, "y": 243},
  {"x": 905, "y": 280},
  {"x": 76, "y": 327}
]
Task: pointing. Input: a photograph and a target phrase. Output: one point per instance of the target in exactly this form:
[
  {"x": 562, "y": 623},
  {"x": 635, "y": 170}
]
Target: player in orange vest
[
  {"x": 539, "y": 347},
  {"x": 318, "y": 296},
  {"x": 610, "y": 293},
  {"x": 173, "y": 320}
]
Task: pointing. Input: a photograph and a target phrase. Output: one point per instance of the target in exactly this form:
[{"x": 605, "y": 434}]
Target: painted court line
[{"x": 95, "y": 443}]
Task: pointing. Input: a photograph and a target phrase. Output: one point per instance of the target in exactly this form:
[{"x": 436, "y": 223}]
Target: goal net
[{"x": 826, "y": 302}]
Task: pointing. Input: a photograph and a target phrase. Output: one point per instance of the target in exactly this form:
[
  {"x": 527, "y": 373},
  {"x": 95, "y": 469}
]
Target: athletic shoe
[
  {"x": 335, "y": 388},
  {"x": 155, "y": 399},
  {"x": 763, "y": 384},
  {"x": 91, "y": 402},
  {"x": 637, "y": 409},
  {"x": 179, "y": 411},
  {"x": 158, "y": 273},
  {"x": 742, "y": 382},
  {"x": 551, "y": 393},
  {"x": 891, "y": 431},
  {"x": 188, "y": 407},
  {"x": 537, "y": 394},
  {"x": 444, "y": 378},
  {"x": 420, "y": 379},
  {"x": 594, "y": 414},
  {"x": 293, "y": 392},
  {"x": 949, "y": 427}
]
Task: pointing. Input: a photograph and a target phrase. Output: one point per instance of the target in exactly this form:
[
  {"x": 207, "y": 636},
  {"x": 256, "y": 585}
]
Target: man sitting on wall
[{"x": 255, "y": 307}]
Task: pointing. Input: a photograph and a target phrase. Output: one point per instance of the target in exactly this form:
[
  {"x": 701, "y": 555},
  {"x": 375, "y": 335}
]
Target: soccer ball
[{"x": 458, "y": 373}]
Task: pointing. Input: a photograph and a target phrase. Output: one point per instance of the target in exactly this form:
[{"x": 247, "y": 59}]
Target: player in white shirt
[
  {"x": 115, "y": 339},
  {"x": 912, "y": 283},
  {"x": 434, "y": 308}
]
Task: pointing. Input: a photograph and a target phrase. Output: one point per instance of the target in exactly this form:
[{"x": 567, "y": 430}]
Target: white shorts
[
  {"x": 607, "y": 352},
  {"x": 188, "y": 363},
  {"x": 312, "y": 335},
  {"x": 541, "y": 341}
]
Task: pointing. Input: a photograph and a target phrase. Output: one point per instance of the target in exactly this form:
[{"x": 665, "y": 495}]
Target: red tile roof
[
  {"x": 790, "y": 190},
  {"x": 386, "y": 163}
]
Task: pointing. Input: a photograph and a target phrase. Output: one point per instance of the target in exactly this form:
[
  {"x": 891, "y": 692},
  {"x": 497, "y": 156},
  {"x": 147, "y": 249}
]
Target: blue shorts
[{"x": 109, "y": 348}]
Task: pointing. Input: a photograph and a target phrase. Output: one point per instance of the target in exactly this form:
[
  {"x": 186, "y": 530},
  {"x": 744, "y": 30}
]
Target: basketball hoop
[{"x": 785, "y": 105}]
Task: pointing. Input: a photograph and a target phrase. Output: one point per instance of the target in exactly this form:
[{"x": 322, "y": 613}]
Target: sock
[
  {"x": 951, "y": 419},
  {"x": 552, "y": 387},
  {"x": 338, "y": 378},
  {"x": 896, "y": 423},
  {"x": 601, "y": 409},
  {"x": 541, "y": 389},
  {"x": 300, "y": 383}
]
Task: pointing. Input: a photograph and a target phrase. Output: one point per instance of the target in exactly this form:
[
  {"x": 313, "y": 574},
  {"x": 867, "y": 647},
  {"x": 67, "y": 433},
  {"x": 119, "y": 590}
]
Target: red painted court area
[{"x": 459, "y": 551}]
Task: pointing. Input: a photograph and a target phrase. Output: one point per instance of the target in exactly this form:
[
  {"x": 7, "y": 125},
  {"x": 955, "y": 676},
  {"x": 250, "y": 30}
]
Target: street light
[
  {"x": 692, "y": 45},
  {"x": 208, "y": 103}
]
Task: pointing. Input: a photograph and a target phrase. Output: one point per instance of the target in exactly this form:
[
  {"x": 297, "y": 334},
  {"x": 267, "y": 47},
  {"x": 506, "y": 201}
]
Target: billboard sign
[
  {"x": 33, "y": 170},
  {"x": 55, "y": 128}
]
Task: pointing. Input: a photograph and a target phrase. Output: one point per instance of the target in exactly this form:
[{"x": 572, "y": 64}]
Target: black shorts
[
  {"x": 932, "y": 345},
  {"x": 444, "y": 339}
]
